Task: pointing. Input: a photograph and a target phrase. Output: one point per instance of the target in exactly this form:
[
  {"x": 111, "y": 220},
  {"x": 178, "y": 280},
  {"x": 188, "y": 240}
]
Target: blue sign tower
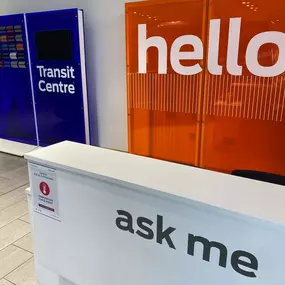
[{"x": 56, "y": 41}]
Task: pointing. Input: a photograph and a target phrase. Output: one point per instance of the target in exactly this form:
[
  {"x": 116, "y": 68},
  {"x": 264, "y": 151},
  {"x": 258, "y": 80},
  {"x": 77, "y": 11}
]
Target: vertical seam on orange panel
[
  {"x": 129, "y": 115},
  {"x": 203, "y": 81}
]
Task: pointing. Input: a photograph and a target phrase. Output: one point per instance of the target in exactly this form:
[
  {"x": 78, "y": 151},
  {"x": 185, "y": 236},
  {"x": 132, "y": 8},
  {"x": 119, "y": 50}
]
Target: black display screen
[{"x": 54, "y": 45}]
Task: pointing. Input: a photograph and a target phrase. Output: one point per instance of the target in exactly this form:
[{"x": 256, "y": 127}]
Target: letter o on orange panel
[{"x": 254, "y": 45}]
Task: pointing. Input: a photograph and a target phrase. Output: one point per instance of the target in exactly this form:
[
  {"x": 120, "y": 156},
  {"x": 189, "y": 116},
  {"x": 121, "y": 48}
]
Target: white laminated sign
[{"x": 44, "y": 187}]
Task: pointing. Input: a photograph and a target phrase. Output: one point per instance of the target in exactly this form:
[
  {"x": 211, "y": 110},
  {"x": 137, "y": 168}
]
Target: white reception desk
[{"x": 105, "y": 217}]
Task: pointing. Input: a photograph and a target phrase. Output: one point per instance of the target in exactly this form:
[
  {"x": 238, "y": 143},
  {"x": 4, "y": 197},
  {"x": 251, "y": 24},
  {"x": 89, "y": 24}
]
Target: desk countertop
[{"x": 249, "y": 197}]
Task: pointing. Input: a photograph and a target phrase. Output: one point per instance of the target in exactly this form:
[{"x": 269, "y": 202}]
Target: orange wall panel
[{"x": 221, "y": 121}]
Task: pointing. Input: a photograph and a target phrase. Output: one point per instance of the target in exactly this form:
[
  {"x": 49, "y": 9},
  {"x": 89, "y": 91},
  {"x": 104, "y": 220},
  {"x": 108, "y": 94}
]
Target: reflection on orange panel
[
  {"x": 244, "y": 115},
  {"x": 163, "y": 108}
]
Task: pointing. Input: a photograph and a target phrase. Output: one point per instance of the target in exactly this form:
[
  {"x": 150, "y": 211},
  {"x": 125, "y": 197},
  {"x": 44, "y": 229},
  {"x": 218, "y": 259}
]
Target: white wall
[{"x": 106, "y": 60}]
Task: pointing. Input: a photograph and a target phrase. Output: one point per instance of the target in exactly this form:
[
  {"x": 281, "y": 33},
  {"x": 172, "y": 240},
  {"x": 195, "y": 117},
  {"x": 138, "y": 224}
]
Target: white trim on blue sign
[
  {"x": 31, "y": 79},
  {"x": 83, "y": 75}
]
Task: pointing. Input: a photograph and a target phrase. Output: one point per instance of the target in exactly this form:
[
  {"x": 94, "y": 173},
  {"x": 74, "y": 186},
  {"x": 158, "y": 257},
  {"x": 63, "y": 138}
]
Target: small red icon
[{"x": 44, "y": 188}]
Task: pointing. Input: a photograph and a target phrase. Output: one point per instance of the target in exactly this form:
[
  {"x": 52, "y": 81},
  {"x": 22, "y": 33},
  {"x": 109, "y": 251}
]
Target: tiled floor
[{"x": 16, "y": 249}]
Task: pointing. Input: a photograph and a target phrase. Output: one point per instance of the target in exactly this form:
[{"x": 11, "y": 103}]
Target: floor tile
[
  {"x": 5, "y": 282},
  {"x": 13, "y": 212},
  {"x": 15, "y": 259},
  {"x": 12, "y": 197},
  {"x": 12, "y": 232},
  {"x": 24, "y": 275},
  {"x": 25, "y": 218},
  {"x": 8, "y": 166},
  {"x": 13, "y": 173},
  {"x": 8, "y": 185},
  {"x": 11, "y": 258},
  {"x": 10, "y": 157},
  {"x": 2, "y": 181},
  {"x": 26, "y": 243},
  {"x": 20, "y": 171}
]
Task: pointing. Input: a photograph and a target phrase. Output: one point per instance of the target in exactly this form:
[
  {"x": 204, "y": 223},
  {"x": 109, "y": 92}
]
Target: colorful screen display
[{"x": 17, "y": 120}]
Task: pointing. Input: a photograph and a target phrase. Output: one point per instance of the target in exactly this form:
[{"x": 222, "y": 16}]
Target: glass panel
[
  {"x": 244, "y": 115},
  {"x": 163, "y": 108}
]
